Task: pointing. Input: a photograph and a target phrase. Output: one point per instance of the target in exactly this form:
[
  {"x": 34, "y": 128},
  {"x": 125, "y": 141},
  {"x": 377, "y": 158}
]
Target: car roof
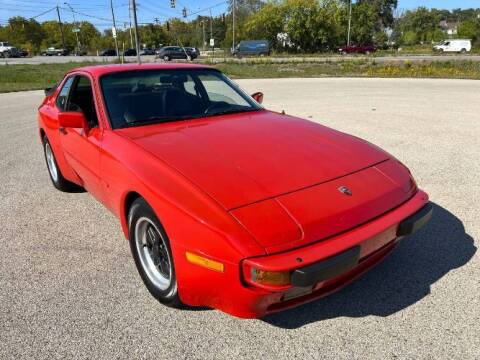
[{"x": 99, "y": 70}]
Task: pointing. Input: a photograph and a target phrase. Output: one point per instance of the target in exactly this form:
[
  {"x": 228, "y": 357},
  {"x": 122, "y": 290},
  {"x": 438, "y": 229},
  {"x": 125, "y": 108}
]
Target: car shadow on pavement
[{"x": 401, "y": 280}]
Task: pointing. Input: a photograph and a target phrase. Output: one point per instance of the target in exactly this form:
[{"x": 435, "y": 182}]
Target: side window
[
  {"x": 81, "y": 99},
  {"x": 190, "y": 86},
  {"x": 63, "y": 95}
]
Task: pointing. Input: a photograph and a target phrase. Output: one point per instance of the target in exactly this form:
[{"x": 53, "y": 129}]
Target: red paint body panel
[
  {"x": 254, "y": 156},
  {"x": 253, "y": 189}
]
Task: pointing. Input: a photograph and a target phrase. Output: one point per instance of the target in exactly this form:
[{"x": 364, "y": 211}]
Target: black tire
[
  {"x": 463, "y": 51},
  {"x": 58, "y": 180},
  {"x": 139, "y": 213},
  {"x": 166, "y": 58}
]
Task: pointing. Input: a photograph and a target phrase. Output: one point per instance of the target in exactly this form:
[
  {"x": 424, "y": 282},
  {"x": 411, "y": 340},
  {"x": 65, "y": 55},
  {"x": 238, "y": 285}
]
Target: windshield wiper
[
  {"x": 231, "y": 111},
  {"x": 158, "y": 119}
]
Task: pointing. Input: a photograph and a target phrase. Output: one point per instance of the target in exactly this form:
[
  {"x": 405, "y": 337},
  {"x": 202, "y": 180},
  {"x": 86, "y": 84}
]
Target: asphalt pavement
[
  {"x": 69, "y": 287},
  {"x": 36, "y": 60}
]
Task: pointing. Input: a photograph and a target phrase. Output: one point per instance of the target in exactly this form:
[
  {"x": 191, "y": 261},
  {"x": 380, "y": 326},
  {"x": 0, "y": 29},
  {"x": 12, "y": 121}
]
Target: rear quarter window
[{"x": 62, "y": 97}]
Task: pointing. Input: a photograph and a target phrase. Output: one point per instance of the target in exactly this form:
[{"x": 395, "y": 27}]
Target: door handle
[{"x": 62, "y": 130}]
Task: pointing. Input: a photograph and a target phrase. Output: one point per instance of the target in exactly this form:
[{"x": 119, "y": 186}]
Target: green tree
[
  {"x": 364, "y": 22},
  {"x": 153, "y": 35},
  {"x": 25, "y": 33},
  {"x": 267, "y": 23},
  {"x": 423, "y": 23},
  {"x": 384, "y": 10},
  {"x": 312, "y": 25},
  {"x": 469, "y": 30}
]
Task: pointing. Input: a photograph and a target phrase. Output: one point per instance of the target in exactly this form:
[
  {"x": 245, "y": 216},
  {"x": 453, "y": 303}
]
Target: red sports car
[{"x": 225, "y": 204}]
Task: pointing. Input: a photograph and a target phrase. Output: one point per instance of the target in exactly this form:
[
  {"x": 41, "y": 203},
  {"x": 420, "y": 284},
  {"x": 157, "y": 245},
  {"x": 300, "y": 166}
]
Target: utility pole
[
  {"x": 130, "y": 20},
  {"x": 203, "y": 31},
  {"x": 233, "y": 25},
  {"x": 61, "y": 28},
  {"x": 135, "y": 23},
  {"x": 211, "y": 33},
  {"x": 211, "y": 30},
  {"x": 114, "y": 32},
  {"x": 211, "y": 24},
  {"x": 349, "y": 23},
  {"x": 77, "y": 29}
]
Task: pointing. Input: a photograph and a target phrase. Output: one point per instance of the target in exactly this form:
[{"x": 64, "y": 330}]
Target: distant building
[{"x": 450, "y": 28}]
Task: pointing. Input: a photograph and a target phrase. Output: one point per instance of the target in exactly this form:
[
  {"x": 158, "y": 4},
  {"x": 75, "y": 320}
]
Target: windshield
[{"x": 135, "y": 98}]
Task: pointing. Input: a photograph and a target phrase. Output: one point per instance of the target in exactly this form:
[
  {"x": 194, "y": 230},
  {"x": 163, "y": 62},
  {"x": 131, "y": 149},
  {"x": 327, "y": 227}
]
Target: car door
[
  {"x": 177, "y": 53},
  {"x": 82, "y": 147}
]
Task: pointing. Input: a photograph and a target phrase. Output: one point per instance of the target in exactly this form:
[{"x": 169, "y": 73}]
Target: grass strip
[{"x": 33, "y": 77}]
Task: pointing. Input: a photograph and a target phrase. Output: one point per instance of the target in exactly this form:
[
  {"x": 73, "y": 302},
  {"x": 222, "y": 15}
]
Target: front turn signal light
[
  {"x": 270, "y": 278},
  {"x": 204, "y": 262}
]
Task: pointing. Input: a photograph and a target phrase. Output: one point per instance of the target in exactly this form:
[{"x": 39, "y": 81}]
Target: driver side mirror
[
  {"x": 258, "y": 97},
  {"x": 72, "y": 119}
]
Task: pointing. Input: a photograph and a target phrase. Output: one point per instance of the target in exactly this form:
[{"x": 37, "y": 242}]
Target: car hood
[{"x": 240, "y": 159}]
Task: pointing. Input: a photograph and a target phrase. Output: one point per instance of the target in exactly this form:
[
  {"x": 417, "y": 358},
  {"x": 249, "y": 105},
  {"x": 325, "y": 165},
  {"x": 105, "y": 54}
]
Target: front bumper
[
  {"x": 326, "y": 266},
  {"x": 342, "y": 263}
]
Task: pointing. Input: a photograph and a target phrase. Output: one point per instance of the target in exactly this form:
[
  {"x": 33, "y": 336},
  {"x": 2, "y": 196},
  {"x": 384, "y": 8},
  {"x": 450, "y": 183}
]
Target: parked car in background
[
  {"x": 51, "y": 51},
  {"x": 357, "y": 49},
  {"x": 81, "y": 52},
  {"x": 108, "y": 52},
  {"x": 456, "y": 45},
  {"x": 22, "y": 52},
  {"x": 193, "y": 52},
  {"x": 252, "y": 48},
  {"x": 7, "y": 50},
  {"x": 147, "y": 51},
  {"x": 130, "y": 52},
  {"x": 168, "y": 53}
]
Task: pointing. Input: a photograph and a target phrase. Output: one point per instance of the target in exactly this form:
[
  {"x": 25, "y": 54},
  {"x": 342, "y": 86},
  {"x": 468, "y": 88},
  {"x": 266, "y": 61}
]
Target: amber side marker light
[
  {"x": 272, "y": 278},
  {"x": 204, "y": 262}
]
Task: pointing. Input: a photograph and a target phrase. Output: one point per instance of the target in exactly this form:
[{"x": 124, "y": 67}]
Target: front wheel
[
  {"x": 152, "y": 254},
  {"x": 166, "y": 58},
  {"x": 56, "y": 176}
]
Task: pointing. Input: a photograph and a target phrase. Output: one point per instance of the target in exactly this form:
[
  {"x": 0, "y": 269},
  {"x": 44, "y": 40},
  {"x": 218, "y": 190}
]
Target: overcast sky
[{"x": 99, "y": 10}]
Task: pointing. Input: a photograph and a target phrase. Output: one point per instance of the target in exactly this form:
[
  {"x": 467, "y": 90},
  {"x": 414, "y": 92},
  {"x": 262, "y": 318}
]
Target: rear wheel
[
  {"x": 56, "y": 176},
  {"x": 152, "y": 254},
  {"x": 463, "y": 51}
]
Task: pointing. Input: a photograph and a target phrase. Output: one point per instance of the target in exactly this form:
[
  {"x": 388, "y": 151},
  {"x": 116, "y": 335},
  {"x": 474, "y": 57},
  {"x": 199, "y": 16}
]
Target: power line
[
  {"x": 86, "y": 15},
  {"x": 149, "y": 9},
  {"x": 208, "y": 8},
  {"x": 177, "y": 12},
  {"x": 43, "y": 13}
]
